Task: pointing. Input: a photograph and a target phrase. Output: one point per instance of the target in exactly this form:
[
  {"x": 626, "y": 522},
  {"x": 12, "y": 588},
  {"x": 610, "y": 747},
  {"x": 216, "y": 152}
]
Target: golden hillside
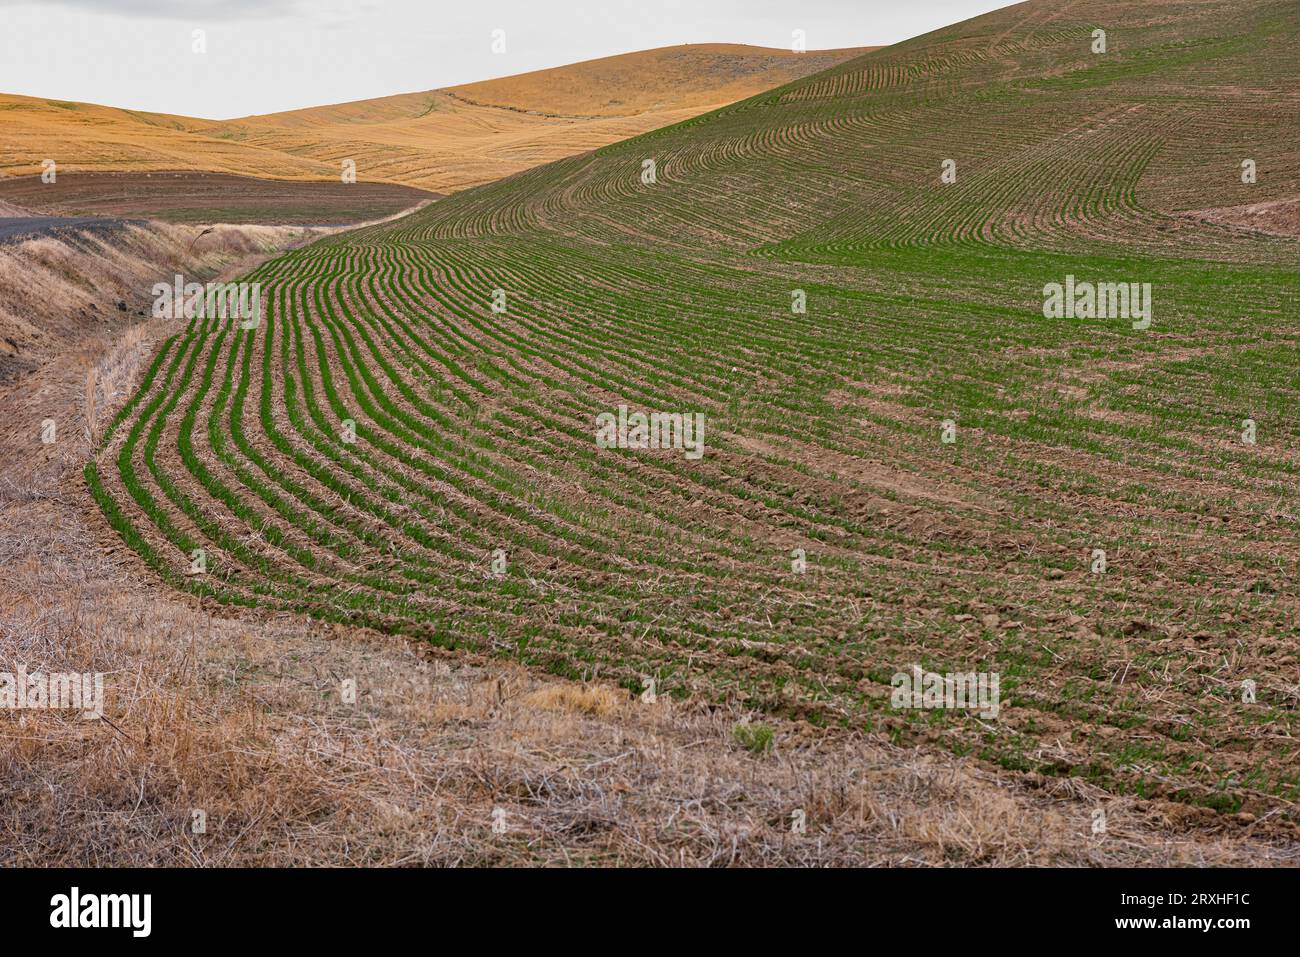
[
  {"x": 85, "y": 136},
  {"x": 441, "y": 140},
  {"x": 682, "y": 77}
]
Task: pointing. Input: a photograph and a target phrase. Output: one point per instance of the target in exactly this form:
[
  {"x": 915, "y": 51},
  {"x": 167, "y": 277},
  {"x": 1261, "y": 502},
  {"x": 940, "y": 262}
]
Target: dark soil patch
[{"x": 187, "y": 197}]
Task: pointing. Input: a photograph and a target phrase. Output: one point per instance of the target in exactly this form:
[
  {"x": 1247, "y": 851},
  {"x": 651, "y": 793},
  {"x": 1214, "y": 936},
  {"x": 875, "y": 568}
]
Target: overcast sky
[{"x": 268, "y": 55}]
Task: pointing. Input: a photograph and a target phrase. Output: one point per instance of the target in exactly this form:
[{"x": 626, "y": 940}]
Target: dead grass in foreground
[{"x": 246, "y": 721}]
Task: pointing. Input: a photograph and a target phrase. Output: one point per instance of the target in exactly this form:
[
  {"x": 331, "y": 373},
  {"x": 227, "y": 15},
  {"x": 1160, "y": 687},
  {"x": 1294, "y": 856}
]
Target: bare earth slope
[{"x": 439, "y": 140}]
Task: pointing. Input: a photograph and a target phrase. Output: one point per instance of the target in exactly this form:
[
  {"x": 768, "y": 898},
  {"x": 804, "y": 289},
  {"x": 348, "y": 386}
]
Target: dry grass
[
  {"x": 61, "y": 279},
  {"x": 246, "y": 722},
  {"x": 578, "y": 699},
  {"x": 90, "y": 411}
]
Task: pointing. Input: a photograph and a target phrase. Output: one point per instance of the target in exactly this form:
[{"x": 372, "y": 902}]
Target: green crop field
[{"x": 407, "y": 439}]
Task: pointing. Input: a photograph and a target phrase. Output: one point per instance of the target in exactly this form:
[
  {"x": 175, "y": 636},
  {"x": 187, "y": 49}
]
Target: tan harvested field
[{"x": 439, "y": 140}]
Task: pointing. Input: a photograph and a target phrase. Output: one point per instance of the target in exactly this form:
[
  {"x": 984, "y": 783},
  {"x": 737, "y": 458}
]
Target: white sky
[{"x": 269, "y": 55}]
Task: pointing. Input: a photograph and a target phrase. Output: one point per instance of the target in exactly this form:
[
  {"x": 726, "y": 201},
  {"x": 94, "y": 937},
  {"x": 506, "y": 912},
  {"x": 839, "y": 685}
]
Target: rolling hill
[
  {"x": 439, "y": 140},
  {"x": 906, "y": 461}
]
